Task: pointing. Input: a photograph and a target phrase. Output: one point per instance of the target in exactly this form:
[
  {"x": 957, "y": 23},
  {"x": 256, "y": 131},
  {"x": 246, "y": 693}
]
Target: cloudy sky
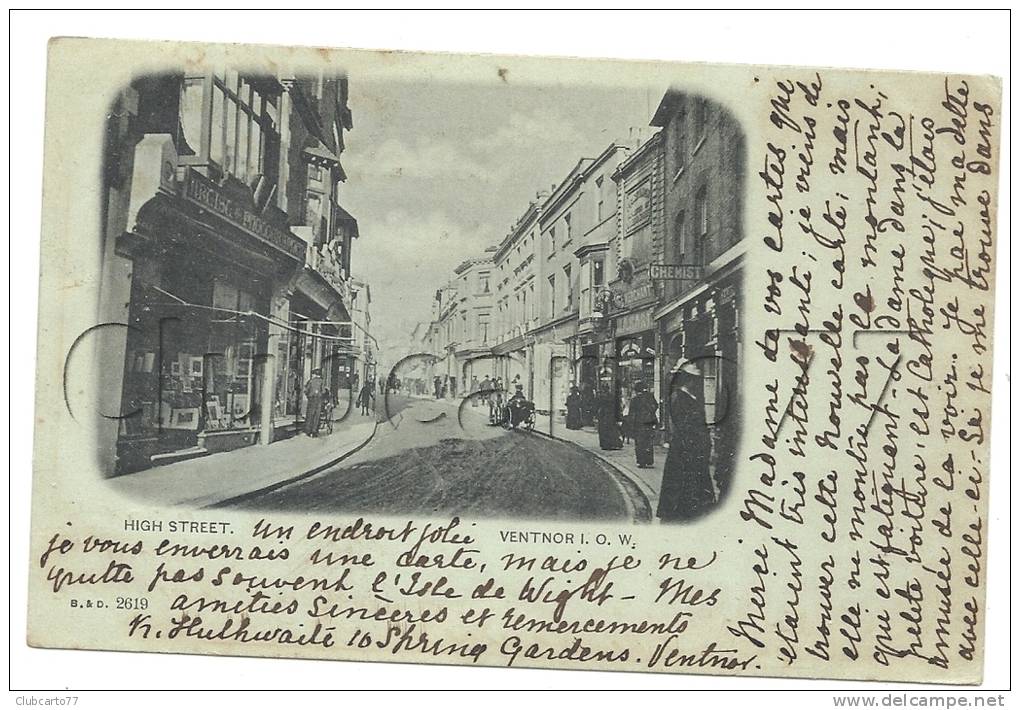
[{"x": 438, "y": 172}]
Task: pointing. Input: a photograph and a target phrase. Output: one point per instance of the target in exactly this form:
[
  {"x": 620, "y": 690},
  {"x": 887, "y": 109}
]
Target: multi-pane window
[
  {"x": 244, "y": 137},
  {"x": 568, "y": 287},
  {"x": 315, "y": 172},
  {"x": 598, "y": 273},
  {"x": 552, "y": 240},
  {"x": 483, "y": 327},
  {"x": 566, "y": 221},
  {"x": 710, "y": 378},
  {"x": 313, "y": 208},
  {"x": 483, "y": 283},
  {"x": 552, "y": 295},
  {"x": 600, "y": 198}
]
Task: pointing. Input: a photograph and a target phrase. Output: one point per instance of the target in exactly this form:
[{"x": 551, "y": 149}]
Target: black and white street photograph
[
  {"x": 438, "y": 349},
  {"x": 331, "y": 292}
]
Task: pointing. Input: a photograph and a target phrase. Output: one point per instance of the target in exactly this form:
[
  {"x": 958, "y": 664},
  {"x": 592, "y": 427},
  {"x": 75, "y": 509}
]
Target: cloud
[
  {"x": 529, "y": 131},
  {"x": 422, "y": 158},
  {"x": 405, "y": 257},
  {"x": 488, "y": 156}
]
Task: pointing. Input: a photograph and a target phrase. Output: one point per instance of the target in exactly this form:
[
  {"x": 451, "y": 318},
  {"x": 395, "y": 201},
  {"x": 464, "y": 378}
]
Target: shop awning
[{"x": 319, "y": 291}]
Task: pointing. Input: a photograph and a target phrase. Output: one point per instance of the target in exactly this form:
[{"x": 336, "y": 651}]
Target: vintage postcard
[{"x": 515, "y": 362}]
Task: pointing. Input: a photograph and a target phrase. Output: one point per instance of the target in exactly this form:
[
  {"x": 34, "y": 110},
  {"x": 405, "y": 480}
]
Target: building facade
[
  {"x": 630, "y": 304},
  {"x": 472, "y": 348},
  {"x": 699, "y": 319},
  {"x": 363, "y": 346},
  {"x": 545, "y": 278},
  {"x": 515, "y": 270},
  {"x": 226, "y": 255}
]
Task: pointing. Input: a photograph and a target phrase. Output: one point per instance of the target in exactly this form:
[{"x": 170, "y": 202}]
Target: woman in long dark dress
[
  {"x": 687, "y": 491},
  {"x": 609, "y": 424},
  {"x": 643, "y": 412},
  {"x": 574, "y": 409}
]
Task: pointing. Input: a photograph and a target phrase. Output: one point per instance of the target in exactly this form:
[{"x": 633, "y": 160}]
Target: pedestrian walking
[
  {"x": 437, "y": 384},
  {"x": 365, "y": 396},
  {"x": 496, "y": 401},
  {"x": 643, "y": 412},
  {"x": 485, "y": 391},
  {"x": 313, "y": 409},
  {"x": 687, "y": 490},
  {"x": 608, "y": 421},
  {"x": 574, "y": 408}
]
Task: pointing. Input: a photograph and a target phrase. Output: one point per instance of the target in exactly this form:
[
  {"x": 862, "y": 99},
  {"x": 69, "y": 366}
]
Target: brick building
[{"x": 699, "y": 318}]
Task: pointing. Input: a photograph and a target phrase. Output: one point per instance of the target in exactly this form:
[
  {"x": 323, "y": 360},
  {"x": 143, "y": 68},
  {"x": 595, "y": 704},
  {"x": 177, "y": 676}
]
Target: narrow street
[{"x": 438, "y": 458}]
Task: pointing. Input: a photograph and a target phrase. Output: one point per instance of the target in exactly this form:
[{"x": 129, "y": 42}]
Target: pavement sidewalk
[
  {"x": 205, "y": 481},
  {"x": 648, "y": 480}
]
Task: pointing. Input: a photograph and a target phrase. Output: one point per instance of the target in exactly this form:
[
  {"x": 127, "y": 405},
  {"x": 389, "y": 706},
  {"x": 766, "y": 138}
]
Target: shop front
[
  {"x": 635, "y": 353},
  {"x": 703, "y": 329},
  {"x": 205, "y": 267},
  {"x": 594, "y": 356},
  {"x": 314, "y": 340}
]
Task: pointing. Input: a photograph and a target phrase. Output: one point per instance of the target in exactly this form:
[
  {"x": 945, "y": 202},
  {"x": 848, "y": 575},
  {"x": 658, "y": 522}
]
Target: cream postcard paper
[{"x": 688, "y": 372}]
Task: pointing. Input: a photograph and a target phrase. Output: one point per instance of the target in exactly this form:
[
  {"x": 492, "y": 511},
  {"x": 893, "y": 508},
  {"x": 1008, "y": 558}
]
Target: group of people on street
[
  {"x": 492, "y": 392},
  {"x": 444, "y": 386},
  {"x": 688, "y": 490}
]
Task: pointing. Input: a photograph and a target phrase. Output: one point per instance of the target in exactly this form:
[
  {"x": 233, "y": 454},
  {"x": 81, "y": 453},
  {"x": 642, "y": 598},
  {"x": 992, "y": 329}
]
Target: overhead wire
[{"x": 270, "y": 319}]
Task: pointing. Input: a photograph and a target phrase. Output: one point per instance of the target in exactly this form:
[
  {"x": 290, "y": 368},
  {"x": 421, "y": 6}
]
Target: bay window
[{"x": 231, "y": 122}]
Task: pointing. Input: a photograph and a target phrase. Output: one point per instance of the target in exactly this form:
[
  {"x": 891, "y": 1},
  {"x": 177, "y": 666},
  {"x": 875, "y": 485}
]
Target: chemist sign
[{"x": 676, "y": 272}]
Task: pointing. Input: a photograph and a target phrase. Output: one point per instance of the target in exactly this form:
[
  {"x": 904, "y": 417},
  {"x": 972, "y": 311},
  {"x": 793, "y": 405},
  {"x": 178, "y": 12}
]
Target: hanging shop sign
[
  {"x": 202, "y": 191},
  {"x": 676, "y": 272}
]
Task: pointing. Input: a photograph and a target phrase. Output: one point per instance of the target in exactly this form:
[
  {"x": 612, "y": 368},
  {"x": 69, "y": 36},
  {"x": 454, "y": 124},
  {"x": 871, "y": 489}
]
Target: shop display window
[{"x": 191, "y": 363}]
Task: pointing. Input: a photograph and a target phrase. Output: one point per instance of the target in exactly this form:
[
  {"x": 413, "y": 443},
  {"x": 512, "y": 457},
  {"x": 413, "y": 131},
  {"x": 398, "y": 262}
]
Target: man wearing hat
[
  {"x": 313, "y": 412},
  {"x": 687, "y": 489}
]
